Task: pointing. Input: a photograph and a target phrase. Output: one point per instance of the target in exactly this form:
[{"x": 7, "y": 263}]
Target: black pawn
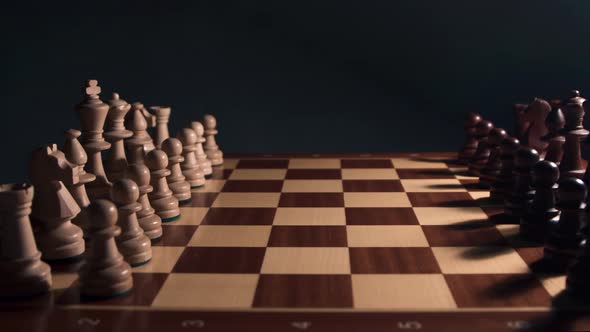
[
  {"x": 470, "y": 145},
  {"x": 480, "y": 158},
  {"x": 505, "y": 181},
  {"x": 522, "y": 192},
  {"x": 542, "y": 212},
  {"x": 564, "y": 239},
  {"x": 492, "y": 168},
  {"x": 554, "y": 123}
]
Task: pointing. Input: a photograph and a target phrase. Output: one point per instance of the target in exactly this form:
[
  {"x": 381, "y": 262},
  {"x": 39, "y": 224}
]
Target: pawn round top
[
  {"x": 496, "y": 136},
  {"x": 510, "y": 145},
  {"x": 209, "y": 121},
  {"x": 471, "y": 119},
  {"x": 187, "y": 136},
  {"x": 124, "y": 192},
  {"x": 198, "y": 128},
  {"x": 138, "y": 173},
  {"x": 526, "y": 157},
  {"x": 172, "y": 147},
  {"x": 102, "y": 213},
  {"x": 545, "y": 173},
  {"x": 156, "y": 159},
  {"x": 572, "y": 192},
  {"x": 483, "y": 128}
]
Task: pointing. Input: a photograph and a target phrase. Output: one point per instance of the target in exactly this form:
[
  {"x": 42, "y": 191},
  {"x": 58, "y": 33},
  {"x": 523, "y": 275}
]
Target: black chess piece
[
  {"x": 482, "y": 153},
  {"x": 504, "y": 181},
  {"x": 522, "y": 192},
  {"x": 491, "y": 169},
  {"x": 565, "y": 237},
  {"x": 571, "y": 163},
  {"x": 579, "y": 273},
  {"x": 470, "y": 145},
  {"x": 554, "y": 122},
  {"x": 541, "y": 212}
]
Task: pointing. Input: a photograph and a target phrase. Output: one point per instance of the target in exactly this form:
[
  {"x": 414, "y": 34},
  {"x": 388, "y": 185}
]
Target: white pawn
[
  {"x": 211, "y": 147},
  {"x": 176, "y": 180},
  {"x": 190, "y": 166},
  {"x": 202, "y": 159},
  {"x": 104, "y": 273},
  {"x": 150, "y": 222},
  {"x": 133, "y": 243},
  {"x": 162, "y": 198}
]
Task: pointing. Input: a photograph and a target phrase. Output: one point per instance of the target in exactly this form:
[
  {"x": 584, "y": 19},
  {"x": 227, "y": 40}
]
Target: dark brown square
[
  {"x": 497, "y": 290},
  {"x": 175, "y": 235},
  {"x": 311, "y": 200},
  {"x": 145, "y": 288},
  {"x": 472, "y": 185},
  {"x": 263, "y": 163},
  {"x": 314, "y": 174},
  {"x": 425, "y": 173},
  {"x": 372, "y": 186},
  {"x": 260, "y": 186},
  {"x": 239, "y": 216},
  {"x": 380, "y": 216},
  {"x": 220, "y": 173},
  {"x": 202, "y": 199},
  {"x": 220, "y": 260},
  {"x": 441, "y": 199},
  {"x": 476, "y": 233},
  {"x": 531, "y": 255},
  {"x": 366, "y": 163},
  {"x": 308, "y": 236},
  {"x": 393, "y": 260},
  {"x": 304, "y": 291}
]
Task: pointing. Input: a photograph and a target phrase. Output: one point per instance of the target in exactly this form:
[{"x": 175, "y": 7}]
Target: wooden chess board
[{"x": 321, "y": 242}]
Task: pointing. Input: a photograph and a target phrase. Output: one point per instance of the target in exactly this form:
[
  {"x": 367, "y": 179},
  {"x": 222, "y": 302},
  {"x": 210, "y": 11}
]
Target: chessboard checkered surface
[{"x": 338, "y": 233}]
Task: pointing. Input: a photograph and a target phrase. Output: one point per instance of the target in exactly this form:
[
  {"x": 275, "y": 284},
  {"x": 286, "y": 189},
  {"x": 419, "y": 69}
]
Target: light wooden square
[
  {"x": 401, "y": 291},
  {"x": 376, "y": 200},
  {"x": 291, "y": 260},
  {"x": 310, "y": 216},
  {"x": 477, "y": 260},
  {"x": 479, "y": 194},
  {"x": 553, "y": 284},
  {"x": 230, "y": 236},
  {"x": 187, "y": 290},
  {"x": 230, "y": 163},
  {"x": 461, "y": 173},
  {"x": 163, "y": 260},
  {"x": 509, "y": 231},
  {"x": 448, "y": 215},
  {"x": 369, "y": 174},
  {"x": 258, "y": 174},
  {"x": 62, "y": 280},
  {"x": 191, "y": 215},
  {"x": 211, "y": 186},
  {"x": 247, "y": 200},
  {"x": 410, "y": 163},
  {"x": 432, "y": 185},
  {"x": 314, "y": 163},
  {"x": 386, "y": 236},
  {"x": 312, "y": 186}
]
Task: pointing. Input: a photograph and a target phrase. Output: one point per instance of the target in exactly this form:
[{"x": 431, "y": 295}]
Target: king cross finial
[{"x": 92, "y": 88}]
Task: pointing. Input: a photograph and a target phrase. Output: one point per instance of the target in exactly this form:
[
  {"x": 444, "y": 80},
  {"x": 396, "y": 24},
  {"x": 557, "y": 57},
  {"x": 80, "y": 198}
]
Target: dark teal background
[{"x": 290, "y": 76}]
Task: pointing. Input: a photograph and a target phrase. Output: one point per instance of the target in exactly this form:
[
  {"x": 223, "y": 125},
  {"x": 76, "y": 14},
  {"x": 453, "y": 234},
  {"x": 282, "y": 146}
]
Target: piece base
[{"x": 171, "y": 218}]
